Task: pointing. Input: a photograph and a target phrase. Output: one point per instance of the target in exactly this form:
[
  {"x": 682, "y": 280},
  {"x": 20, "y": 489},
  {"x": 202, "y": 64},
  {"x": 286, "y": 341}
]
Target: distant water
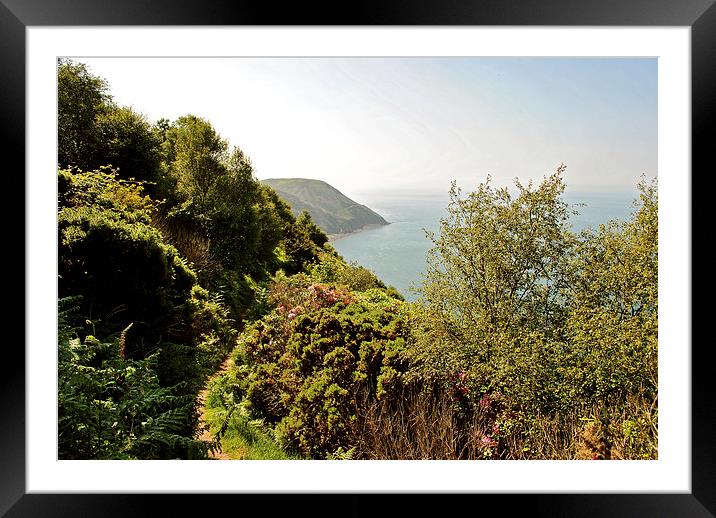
[{"x": 396, "y": 253}]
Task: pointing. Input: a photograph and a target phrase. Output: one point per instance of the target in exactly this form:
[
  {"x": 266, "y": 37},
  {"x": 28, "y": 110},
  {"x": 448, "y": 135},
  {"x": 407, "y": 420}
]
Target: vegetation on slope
[
  {"x": 165, "y": 239},
  {"x": 529, "y": 342},
  {"x": 332, "y": 211}
]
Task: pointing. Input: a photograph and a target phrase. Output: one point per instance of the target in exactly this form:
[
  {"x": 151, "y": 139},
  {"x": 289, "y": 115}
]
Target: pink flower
[{"x": 488, "y": 441}]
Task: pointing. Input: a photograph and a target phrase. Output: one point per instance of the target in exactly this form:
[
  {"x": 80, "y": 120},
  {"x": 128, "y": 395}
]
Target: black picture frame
[{"x": 699, "y": 15}]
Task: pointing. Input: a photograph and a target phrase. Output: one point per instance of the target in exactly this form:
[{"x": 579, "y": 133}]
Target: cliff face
[{"x": 330, "y": 209}]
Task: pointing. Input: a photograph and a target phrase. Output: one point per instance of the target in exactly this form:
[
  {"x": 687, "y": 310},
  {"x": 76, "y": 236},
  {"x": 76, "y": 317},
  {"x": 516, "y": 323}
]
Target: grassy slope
[
  {"x": 334, "y": 212},
  {"x": 243, "y": 438}
]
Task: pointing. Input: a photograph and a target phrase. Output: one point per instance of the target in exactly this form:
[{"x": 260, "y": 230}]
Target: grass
[{"x": 243, "y": 438}]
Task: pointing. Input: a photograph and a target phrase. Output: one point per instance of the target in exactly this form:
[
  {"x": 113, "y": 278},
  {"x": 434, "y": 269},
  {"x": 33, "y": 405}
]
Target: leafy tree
[
  {"x": 315, "y": 234},
  {"x": 215, "y": 190},
  {"x": 613, "y": 309},
  {"x": 129, "y": 144},
  {"x": 498, "y": 266},
  {"x": 195, "y": 154},
  {"x": 81, "y": 98},
  {"x": 518, "y": 310},
  {"x": 94, "y": 132}
]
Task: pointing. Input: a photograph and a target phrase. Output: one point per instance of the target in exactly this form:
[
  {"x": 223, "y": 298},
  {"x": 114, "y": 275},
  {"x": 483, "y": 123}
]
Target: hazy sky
[{"x": 413, "y": 124}]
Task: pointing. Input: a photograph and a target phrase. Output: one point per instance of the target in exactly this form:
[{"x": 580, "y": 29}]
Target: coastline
[{"x": 335, "y": 237}]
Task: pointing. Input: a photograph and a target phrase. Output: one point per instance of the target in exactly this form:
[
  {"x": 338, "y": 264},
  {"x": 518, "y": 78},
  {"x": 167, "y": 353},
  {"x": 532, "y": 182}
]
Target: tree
[
  {"x": 195, "y": 155},
  {"x": 613, "y": 308},
  {"x": 498, "y": 266},
  {"x": 556, "y": 326},
  {"x": 129, "y": 144},
  {"x": 317, "y": 236},
  {"x": 94, "y": 132},
  {"x": 81, "y": 98}
]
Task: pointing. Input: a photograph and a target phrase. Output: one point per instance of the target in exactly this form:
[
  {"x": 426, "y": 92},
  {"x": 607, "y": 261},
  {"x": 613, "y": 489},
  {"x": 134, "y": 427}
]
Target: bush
[
  {"x": 125, "y": 272},
  {"x": 562, "y": 327},
  {"x": 111, "y": 256},
  {"x": 309, "y": 358},
  {"x": 331, "y": 268}
]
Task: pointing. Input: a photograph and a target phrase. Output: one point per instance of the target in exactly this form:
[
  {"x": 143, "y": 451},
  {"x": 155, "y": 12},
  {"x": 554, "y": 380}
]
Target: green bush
[
  {"x": 111, "y": 255},
  {"x": 331, "y": 268},
  {"x": 310, "y": 358},
  {"x": 120, "y": 265},
  {"x": 556, "y": 324}
]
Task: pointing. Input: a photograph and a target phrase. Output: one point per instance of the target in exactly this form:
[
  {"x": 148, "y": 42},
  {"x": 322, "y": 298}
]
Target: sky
[{"x": 412, "y": 124}]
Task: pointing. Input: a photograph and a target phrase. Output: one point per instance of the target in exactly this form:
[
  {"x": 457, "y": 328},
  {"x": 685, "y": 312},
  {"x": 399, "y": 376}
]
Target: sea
[{"x": 397, "y": 252}]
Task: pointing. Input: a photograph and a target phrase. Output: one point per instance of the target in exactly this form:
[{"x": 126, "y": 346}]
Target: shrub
[
  {"x": 309, "y": 357},
  {"x": 331, "y": 268},
  {"x": 117, "y": 262}
]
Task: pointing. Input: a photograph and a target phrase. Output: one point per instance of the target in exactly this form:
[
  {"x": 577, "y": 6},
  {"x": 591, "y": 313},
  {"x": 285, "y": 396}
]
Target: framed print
[{"x": 185, "y": 44}]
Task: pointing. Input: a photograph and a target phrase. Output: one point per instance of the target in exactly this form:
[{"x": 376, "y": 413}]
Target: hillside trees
[
  {"x": 145, "y": 330},
  {"x": 130, "y": 144},
  {"x": 519, "y": 310},
  {"x": 149, "y": 217},
  {"x": 498, "y": 267},
  {"x": 244, "y": 224},
  {"x": 94, "y": 132},
  {"x": 81, "y": 98}
]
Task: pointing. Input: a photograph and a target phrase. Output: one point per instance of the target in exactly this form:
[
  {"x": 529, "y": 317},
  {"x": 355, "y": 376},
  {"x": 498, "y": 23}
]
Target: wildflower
[{"x": 488, "y": 441}]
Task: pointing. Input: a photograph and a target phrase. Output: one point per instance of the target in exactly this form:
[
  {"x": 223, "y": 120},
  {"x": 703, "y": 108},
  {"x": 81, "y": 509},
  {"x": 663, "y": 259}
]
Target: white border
[{"x": 671, "y": 473}]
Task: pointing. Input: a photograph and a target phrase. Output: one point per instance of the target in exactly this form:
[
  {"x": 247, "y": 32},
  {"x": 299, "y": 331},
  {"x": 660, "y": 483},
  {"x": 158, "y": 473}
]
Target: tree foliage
[
  {"x": 613, "y": 309},
  {"x": 94, "y": 132},
  {"x": 81, "y": 99},
  {"x": 552, "y": 322},
  {"x": 497, "y": 267}
]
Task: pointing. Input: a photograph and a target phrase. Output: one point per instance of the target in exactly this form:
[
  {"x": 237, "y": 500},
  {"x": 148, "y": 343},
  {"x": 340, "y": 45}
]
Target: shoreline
[{"x": 335, "y": 237}]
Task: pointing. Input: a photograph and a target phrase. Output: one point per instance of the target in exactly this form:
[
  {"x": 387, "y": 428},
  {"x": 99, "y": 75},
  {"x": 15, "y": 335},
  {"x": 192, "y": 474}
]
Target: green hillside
[{"x": 334, "y": 212}]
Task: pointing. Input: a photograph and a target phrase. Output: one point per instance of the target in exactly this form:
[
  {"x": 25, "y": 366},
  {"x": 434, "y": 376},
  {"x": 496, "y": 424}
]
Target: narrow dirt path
[{"x": 201, "y": 398}]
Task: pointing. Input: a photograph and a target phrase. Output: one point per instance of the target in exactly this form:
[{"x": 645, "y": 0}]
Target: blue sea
[{"x": 396, "y": 253}]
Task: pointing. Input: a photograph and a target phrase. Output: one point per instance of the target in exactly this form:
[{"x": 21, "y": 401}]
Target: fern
[{"x": 110, "y": 407}]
